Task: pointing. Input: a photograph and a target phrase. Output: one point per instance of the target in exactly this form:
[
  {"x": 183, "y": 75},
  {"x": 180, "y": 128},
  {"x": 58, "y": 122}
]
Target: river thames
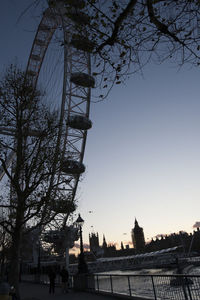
[{"x": 139, "y": 283}]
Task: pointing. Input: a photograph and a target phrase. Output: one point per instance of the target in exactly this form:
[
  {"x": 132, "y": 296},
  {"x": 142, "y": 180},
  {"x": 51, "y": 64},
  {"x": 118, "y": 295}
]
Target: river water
[
  {"x": 191, "y": 270},
  {"x": 142, "y": 285}
]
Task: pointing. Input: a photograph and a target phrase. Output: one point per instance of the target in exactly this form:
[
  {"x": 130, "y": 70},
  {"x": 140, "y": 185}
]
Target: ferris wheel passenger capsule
[
  {"x": 72, "y": 167},
  {"x": 82, "y": 79},
  {"x": 47, "y": 238},
  {"x": 79, "y": 122},
  {"x": 78, "y": 17},
  {"x": 63, "y": 206},
  {"x": 54, "y": 3},
  {"x": 82, "y": 43},
  {"x": 74, "y": 3}
]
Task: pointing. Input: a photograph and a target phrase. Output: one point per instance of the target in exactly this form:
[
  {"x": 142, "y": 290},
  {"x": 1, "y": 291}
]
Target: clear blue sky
[{"x": 143, "y": 152}]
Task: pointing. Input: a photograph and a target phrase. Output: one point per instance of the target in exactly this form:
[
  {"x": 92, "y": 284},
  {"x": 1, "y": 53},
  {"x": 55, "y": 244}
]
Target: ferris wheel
[
  {"x": 71, "y": 77},
  {"x": 59, "y": 63}
]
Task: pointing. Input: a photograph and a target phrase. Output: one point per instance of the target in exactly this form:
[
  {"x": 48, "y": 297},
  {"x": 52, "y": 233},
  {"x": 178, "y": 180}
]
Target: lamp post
[{"x": 82, "y": 266}]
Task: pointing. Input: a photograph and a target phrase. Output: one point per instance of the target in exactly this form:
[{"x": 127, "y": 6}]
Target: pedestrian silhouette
[
  {"x": 52, "y": 277},
  {"x": 64, "y": 278}
]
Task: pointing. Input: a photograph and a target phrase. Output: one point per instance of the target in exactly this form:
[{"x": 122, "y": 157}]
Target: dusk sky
[{"x": 143, "y": 152}]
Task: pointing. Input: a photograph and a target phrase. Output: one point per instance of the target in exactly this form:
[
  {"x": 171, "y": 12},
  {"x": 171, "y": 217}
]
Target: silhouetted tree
[
  {"x": 29, "y": 158},
  {"x": 127, "y": 34}
]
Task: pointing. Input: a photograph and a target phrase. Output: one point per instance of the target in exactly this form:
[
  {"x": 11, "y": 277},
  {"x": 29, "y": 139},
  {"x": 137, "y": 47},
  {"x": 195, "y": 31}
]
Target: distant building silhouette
[
  {"x": 138, "y": 238},
  {"x": 122, "y": 246},
  {"x": 94, "y": 241},
  {"x": 101, "y": 251},
  {"x": 189, "y": 242},
  {"x": 104, "y": 245}
]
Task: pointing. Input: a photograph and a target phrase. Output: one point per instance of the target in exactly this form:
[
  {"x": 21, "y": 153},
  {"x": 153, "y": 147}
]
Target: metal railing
[{"x": 165, "y": 287}]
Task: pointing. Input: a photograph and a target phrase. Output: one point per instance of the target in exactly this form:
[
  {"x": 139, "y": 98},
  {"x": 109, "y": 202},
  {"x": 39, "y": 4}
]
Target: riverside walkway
[{"x": 33, "y": 291}]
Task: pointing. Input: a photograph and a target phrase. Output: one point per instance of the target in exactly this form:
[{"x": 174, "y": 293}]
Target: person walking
[
  {"x": 64, "y": 278},
  {"x": 52, "y": 277}
]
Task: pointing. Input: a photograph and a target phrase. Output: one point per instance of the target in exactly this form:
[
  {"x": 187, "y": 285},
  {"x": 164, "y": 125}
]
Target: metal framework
[{"x": 75, "y": 96}]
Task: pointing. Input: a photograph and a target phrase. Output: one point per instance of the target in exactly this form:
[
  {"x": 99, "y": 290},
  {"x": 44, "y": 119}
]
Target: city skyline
[
  {"x": 128, "y": 242},
  {"x": 142, "y": 153}
]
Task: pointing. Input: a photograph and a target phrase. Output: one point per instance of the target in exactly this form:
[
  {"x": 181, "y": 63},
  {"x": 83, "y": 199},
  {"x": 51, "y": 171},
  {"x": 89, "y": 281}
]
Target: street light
[{"x": 82, "y": 266}]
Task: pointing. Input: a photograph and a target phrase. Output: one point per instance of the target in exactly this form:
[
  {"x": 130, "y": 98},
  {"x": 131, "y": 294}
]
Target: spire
[
  {"x": 104, "y": 242},
  {"x": 122, "y": 246},
  {"x": 136, "y": 223}
]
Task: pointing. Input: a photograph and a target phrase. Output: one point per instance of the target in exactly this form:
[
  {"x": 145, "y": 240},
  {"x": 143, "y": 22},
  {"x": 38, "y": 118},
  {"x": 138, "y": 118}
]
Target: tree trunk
[{"x": 13, "y": 275}]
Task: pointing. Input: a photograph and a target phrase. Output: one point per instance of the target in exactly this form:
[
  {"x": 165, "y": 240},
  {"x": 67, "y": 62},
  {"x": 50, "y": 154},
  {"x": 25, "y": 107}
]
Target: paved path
[{"x": 33, "y": 291}]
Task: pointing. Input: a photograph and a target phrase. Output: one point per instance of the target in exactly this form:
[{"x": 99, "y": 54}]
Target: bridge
[{"x": 165, "y": 258}]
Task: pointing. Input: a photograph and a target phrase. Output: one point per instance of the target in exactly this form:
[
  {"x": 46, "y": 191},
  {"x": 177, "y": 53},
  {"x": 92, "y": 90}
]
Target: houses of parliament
[{"x": 188, "y": 243}]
